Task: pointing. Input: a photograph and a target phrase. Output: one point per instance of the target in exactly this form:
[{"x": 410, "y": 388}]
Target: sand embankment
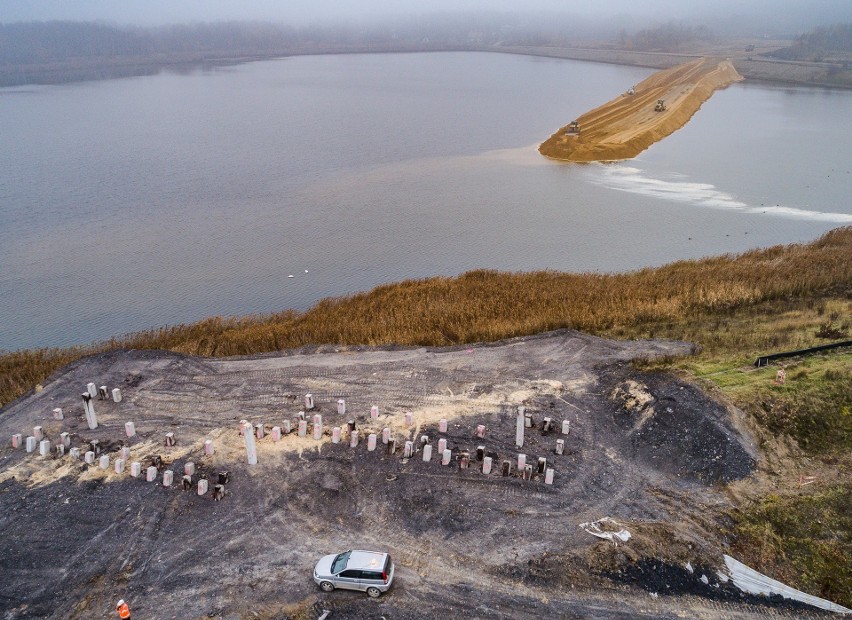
[{"x": 627, "y": 125}]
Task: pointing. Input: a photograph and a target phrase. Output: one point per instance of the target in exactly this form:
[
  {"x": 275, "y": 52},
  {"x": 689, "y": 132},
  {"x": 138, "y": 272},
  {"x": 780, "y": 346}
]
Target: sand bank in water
[{"x": 627, "y": 125}]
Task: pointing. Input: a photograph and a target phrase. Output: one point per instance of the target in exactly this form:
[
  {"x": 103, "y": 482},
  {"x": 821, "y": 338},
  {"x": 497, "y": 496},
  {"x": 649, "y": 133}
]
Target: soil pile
[{"x": 627, "y": 125}]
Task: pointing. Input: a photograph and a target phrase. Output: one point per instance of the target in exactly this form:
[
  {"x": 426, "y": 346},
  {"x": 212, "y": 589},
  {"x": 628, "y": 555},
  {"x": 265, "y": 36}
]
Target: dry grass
[{"x": 489, "y": 305}]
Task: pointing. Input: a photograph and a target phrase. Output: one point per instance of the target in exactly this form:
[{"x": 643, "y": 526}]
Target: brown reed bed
[{"x": 489, "y": 305}]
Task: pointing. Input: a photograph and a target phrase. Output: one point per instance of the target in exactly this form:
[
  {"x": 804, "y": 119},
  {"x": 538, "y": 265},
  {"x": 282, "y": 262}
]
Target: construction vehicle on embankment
[{"x": 661, "y": 106}]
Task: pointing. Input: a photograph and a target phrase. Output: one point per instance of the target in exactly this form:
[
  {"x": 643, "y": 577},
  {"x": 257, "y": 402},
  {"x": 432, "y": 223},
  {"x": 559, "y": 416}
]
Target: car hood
[{"x": 323, "y": 567}]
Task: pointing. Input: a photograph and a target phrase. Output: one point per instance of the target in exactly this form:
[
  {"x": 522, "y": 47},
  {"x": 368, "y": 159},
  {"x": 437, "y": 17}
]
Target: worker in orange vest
[{"x": 123, "y": 610}]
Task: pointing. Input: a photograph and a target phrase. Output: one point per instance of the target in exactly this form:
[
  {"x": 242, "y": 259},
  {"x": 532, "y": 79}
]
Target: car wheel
[
  {"x": 374, "y": 592},
  {"x": 326, "y": 586}
]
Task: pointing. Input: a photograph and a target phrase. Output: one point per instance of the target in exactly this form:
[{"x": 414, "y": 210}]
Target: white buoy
[
  {"x": 548, "y": 476},
  {"x": 487, "y": 463},
  {"x": 285, "y": 427},
  {"x": 374, "y": 412},
  {"x": 260, "y": 430},
  {"x": 276, "y": 433},
  {"x": 480, "y": 430},
  {"x": 38, "y": 433},
  {"x": 303, "y": 428},
  {"x": 317, "y": 427},
  {"x": 116, "y": 395},
  {"x": 151, "y": 474},
  {"x": 560, "y": 446},
  {"x": 309, "y": 401},
  {"x": 44, "y": 447},
  {"x": 169, "y": 475},
  {"x": 57, "y": 414},
  {"x": 119, "y": 466},
  {"x": 353, "y": 439},
  {"x": 74, "y": 453},
  {"x": 427, "y": 453},
  {"x": 519, "y": 428},
  {"x": 408, "y": 450},
  {"x": 371, "y": 442},
  {"x": 202, "y": 486},
  {"x": 103, "y": 462},
  {"x": 135, "y": 469},
  {"x": 386, "y": 435},
  {"x": 409, "y": 418},
  {"x": 251, "y": 447},
  {"x": 446, "y": 457},
  {"x": 522, "y": 461},
  {"x": 65, "y": 439},
  {"x": 17, "y": 440},
  {"x": 341, "y": 407},
  {"x": 189, "y": 468},
  {"x": 31, "y": 444},
  {"x": 442, "y": 426},
  {"x": 335, "y": 435},
  {"x": 566, "y": 427},
  {"x": 208, "y": 447},
  {"x": 92, "y": 389},
  {"x": 90, "y": 457},
  {"x": 129, "y": 429}
]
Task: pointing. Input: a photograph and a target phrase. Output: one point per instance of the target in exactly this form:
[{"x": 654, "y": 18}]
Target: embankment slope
[{"x": 627, "y": 125}]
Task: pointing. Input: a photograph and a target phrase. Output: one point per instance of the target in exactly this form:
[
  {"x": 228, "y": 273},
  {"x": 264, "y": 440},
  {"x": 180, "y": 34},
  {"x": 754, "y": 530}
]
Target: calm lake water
[{"x": 133, "y": 203}]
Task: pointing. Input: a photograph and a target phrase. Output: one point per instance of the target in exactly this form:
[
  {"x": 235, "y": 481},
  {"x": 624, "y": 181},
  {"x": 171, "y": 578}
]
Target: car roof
[{"x": 367, "y": 560}]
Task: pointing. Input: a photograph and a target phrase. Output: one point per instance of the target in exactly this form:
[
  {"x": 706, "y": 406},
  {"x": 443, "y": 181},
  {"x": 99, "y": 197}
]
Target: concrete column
[
  {"x": 522, "y": 461},
  {"x": 317, "y": 427},
  {"x": 65, "y": 439},
  {"x": 371, "y": 442},
  {"x": 341, "y": 407},
  {"x": 276, "y": 433},
  {"x": 464, "y": 460},
  {"x": 119, "y": 466},
  {"x": 386, "y": 435},
  {"x": 519, "y": 428},
  {"x": 208, "y": 447},
  {"x": 186, "y": 482},
  {"x": 480, "y": 431},
  {"x": 57, "y": 414},
  {"x": 309, "y": 401},
  {"x": 303, "y": 428},
  {"x": 170, "y": 438},
  {"x": 351, "y": 425},
  {"x": 548, "y": 476},
  {"x": 506, "y": 468},
  {"x": 169, "y": 475},
  {"x": 486, "y": 465},
  {"x": 92, "y": 389},
  {"x": 135, "y": 469},
  {"x": 353, "y": 439},
  {"x": 424, "y": 439},
  {"x": 301, "y": 415},
  {"x": 38, "y": 433},
  {"x": 103, "y": 393},
  {"x": 17, "y": 440},
  {"x": 89, "y": 457},
  {"x": 60, "y": 449},
  {"x": 408, "y": 450},
  {"x": 151, "y": 474},
  {"x": 116, "y": 395},
  {"x": 189, "y": 468},
  {"x": 542, "y": 464},
  {"x": 125, "y": 453},
  {"x": 409, "y": 418},
  {"x": 446, "y": 457},
  {"x": 202, "y": 486},
  {"x": 129, "y": 429},
  {"x": 285, "y": 427},
  {"x": 243, "y": 424},
  {"x": 31, "y": 444},
  {"x": 44, "y": 447},
  {"x": 260, "y": 430},
  {"x": 74, "y": 453},
  {"x": 374, "y": 412},
  {"x": 442, "y": 426},
  {"x": 560, "y": 446},
  {"x": 442, "y": 445},
  {"x": 427, "y": 453},
  {"x": 103, "y": 462},
  {"x": 251, "y": 447},
  {"x": 480, "y": 453},
  {"x": 335, "y": 435},
  {"x": 566, "y": 427},
  {"x": 91, "y": 417},
  {"x": 391, "y": 447}
]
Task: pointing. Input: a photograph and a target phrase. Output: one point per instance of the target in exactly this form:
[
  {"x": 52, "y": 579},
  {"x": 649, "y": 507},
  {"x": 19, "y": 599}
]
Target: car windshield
[{"x": 340, "y": 562}]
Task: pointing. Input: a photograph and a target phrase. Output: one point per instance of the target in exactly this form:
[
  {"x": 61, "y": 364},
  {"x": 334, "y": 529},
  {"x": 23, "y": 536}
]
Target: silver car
[{"x": 368, "y": 571}]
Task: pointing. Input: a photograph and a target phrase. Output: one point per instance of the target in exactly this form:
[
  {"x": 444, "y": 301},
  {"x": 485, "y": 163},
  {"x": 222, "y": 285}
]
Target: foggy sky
[{"x": 792, "y": 15}]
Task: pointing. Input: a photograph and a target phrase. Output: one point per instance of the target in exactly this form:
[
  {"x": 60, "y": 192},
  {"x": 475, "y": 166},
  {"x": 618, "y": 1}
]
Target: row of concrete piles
[{"x": 527, "y": 469}]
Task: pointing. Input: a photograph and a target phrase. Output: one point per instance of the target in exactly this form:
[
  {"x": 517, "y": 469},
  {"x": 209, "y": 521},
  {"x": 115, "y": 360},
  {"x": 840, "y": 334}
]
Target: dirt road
[
  {"x": 648, "y": 450},
  {"x": 627, "y": 125}
]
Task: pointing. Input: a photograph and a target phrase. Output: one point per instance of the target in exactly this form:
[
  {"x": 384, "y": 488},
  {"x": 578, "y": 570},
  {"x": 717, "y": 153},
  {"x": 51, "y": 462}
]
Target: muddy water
[{"x": 132, "y": 203}]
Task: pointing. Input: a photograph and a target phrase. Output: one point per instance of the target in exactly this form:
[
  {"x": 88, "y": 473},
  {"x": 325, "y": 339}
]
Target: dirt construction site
[{"x": 648, "y": 450}]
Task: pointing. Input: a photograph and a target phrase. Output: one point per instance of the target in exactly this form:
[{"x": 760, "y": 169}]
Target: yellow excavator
[{"x": 661, "y": 106}]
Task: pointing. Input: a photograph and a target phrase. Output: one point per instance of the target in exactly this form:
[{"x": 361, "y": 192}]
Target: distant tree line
[
  {"x": 820, "y": 43},
  {"x": 670, "y": 37}
]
